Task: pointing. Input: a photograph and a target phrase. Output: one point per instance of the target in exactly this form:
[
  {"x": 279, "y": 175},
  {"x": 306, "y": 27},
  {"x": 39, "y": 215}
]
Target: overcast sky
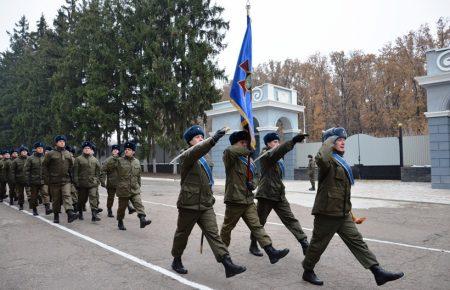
[{"x": 286, "y": 28}]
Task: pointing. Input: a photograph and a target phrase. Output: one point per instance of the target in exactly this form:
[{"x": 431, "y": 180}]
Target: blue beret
[
  {"x": 38, "y": 144},
  {"x": 192, "y": 132},
  {"x": 238, "y": 136},
  {"x": 130, "y": 145},
  {"x": 270, "y": 137},
  {"x": 338, "y": 131},
  {"x": 86, "y": 144},
  {"x": 59, "y": 138}
]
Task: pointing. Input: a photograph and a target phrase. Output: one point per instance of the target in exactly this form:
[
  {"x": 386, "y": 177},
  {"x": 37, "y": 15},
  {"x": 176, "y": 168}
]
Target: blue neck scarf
[
  {"x": 346, "y": 167},
  {"x": 207, "y": 169},
  {"x": 252, "y": 165},
  {"x": 281, "y": 166}
]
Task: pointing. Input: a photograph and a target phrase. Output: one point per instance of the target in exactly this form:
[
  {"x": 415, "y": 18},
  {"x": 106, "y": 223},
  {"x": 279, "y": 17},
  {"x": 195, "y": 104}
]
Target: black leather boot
[
  {"x": 95, "y": 218},
  {"x": 231, "y": 269},
  {"x": 21, "y": 206},
  {"x": 11, "y": 201},
  {"x": 275, "y": 255},
  {"x": 143, "y": 221},
  {"x": 99, "y": 210},
  {"x": 254, "y": 250},
  {"x": 56, "y": 218},
  {"x": 178, "y": 267},
  {"x": 48, "y": 210},
  {"x": 131, "y": 209},
  {"x": 304, "y": 244},
  {"x": 382, "y": 276},
  {"x": 121, "y": 225},
  {"x": 310, "y": 276},
  {"x": 110, "y": 213},
  {"x": 71, "y": 216},
  {"x": 35, "y": 212}
]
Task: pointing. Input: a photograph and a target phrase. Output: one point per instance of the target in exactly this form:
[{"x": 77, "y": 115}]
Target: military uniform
[
  {"x": 3, "y": 178},
  {"x": 33, "y": 173},
  {"x": 10, "y": 180},
  {"x": 86, "y": 177},
  {"x": 271, "y": 190},
  {"x": 239, "y": 199},
  {"x": 110, "y": 175},
  {"x": 19, "y": 179},
  {"x": 56, "y": 169},
  {"x": 312, "y": 173},
  {"x": 129, "y": 187},
  {"x": 195, "y": 203}
]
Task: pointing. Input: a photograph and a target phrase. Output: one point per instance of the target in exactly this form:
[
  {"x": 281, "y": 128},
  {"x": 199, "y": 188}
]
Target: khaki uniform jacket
[
  {"x": 3, "y": 170},
  {"x": 33, "y": 169},
  {"x": 86, "y": 171},
  {"x": 109, "y": 172},
  {"x": 17, "y": 170},
  {"x": 129, "y": 172},
  {"x": 57, "y": 166},
  {"x": 236, "y": 191},
  {"x": 8, "y": 173},
  {"x": 271, "y": 183},
  {"x": 333, "y": 193},
  {"x": 195, "y": 193}
]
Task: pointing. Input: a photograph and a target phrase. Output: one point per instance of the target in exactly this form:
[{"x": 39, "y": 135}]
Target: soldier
[
  {"x": 45, "y": 186},
  {"x": 271, "y": 193},
  {"x": 33, "y": 173},
  {"x": 109, "y": 174},
  {"x": 56, "y": 171},
  {"x": 86, "y": 177},
  {"x": 129, "y": 186},
  {"x": 9, "y": 175},
  {"x": 3, "y": 178},
  {"x": 196, "y": 200},
  {"x": 239, "y": 198},
  {"x": 312, "y": 172},
  {"x": 18, "y": 175},
  {"x": 73, "y": 190},
  {"x": 332, "y": 211}
]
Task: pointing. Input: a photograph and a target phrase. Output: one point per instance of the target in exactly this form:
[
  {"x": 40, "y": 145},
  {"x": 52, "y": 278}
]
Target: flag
[{"x": 241, "y": 88}]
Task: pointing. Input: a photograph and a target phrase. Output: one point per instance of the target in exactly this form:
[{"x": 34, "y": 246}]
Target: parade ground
[{"x": 407, "y": 228}]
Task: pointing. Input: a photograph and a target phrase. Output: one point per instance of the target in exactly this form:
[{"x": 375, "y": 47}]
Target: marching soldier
[
  {"x": 109, "y": 173},
  {"x": 332, "y": 211},
  {"x": 33, "y": 173},
  {"x": 56, "y": 171},
  {"x": 129, "y": 186},
  {"x": 73, "y": 190},
  {"x": 18, "y": 175},
  {"x": 3, "y": 178},
  {"x": 312, "y": 173},
  {"x": 86, "y": 177},
  {"x": 271, "y": 193},
  {"x": 9, "y": 176},
  {"x": 239, "y": 198},
  {"x": 196, "y": 200}
]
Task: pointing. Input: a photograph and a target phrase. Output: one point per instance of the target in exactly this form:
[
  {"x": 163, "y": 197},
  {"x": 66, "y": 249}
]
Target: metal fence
[{"x": 373, "y": 151}]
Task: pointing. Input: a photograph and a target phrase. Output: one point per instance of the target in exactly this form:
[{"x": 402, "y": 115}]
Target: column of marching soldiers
[{"x": 53, "y": 174}]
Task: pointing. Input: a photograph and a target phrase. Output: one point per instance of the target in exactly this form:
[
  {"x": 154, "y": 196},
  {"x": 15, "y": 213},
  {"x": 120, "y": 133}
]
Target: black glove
[
  {"x": 299, "y": 138},
  {"x": 219, "y": 134},
  {"x": 250, "y": 185}
]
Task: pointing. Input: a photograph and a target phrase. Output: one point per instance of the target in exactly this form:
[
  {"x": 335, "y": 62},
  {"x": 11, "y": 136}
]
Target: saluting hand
[
  {"x": 299, "y": 138},
  {"x": 219, "y": 134}
]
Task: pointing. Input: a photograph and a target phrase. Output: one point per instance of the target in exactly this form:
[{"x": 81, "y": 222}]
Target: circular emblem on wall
[
  {"x": 257, "y": 95},
  {"x": 443, "y": 61}
]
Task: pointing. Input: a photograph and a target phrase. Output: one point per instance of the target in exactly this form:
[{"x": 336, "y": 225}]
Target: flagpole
[{"x": 249, "y": 177}]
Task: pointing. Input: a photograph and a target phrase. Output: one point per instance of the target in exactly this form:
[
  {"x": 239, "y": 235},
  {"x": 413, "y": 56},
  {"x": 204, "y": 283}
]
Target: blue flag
[{"x": 241, "y": 88}]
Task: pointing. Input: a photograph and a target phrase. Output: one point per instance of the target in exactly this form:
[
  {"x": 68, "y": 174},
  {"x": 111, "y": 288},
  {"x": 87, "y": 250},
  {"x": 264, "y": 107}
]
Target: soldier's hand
[
  {"x": 299, "y": 138},
  {"x": 219, "y": 134},
  {"x": 250, "y": 185}
]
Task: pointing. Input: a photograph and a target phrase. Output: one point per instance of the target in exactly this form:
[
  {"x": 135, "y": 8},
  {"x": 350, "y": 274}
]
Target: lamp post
[{"x": 400, "y": 142}]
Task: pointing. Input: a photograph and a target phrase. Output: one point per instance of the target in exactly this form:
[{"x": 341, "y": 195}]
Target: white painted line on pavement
[
  {"x": 366, "y": 239},
  {"x": 135, "y": 259}
]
